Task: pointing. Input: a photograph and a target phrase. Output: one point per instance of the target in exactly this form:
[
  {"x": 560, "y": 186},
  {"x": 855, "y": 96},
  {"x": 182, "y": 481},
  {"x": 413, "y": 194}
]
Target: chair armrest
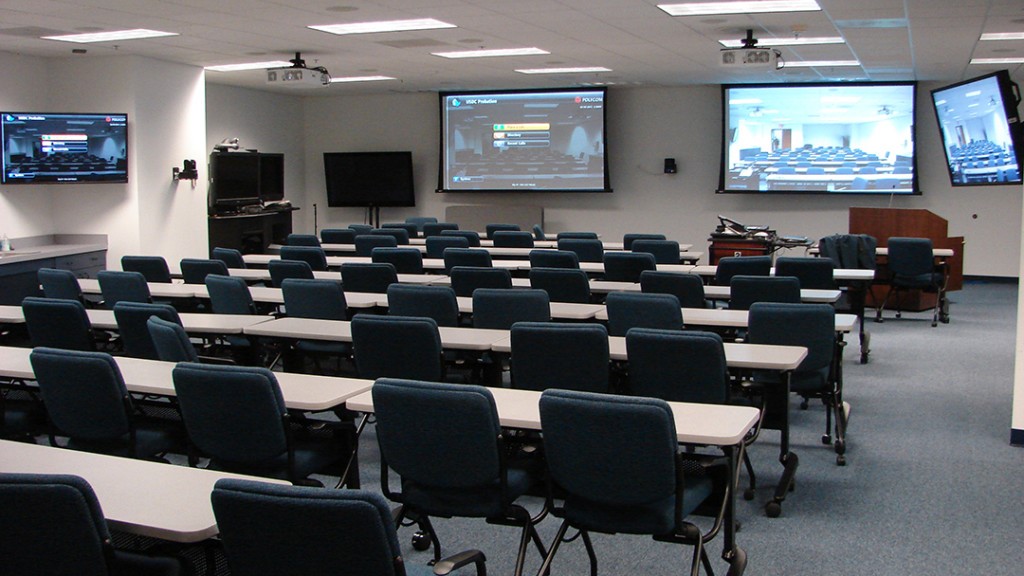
[{"x": 454, "y": 562}]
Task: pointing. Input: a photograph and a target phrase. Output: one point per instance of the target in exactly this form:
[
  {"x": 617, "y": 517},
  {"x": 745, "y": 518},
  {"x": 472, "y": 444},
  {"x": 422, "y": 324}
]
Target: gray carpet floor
[{"x": 931, "y": 486}]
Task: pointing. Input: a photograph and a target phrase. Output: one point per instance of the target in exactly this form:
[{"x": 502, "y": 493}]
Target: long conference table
[{"x": 497, "y": 251}]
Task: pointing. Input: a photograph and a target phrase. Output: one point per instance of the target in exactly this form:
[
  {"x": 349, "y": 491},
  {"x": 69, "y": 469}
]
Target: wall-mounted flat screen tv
[
  {"x": 819, "y": 138},
  {"x": 369, "y": 179},
  {"x": 524, "y": 141},
  {"x": 981, "y": 130},
  {"x": 62, "y": 148}
]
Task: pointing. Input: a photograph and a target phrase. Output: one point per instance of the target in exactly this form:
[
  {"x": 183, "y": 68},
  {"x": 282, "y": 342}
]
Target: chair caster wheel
[
  {"x": 840, "y": 447},
  {"x": 748, "y": 494},
  {"x": 738, "y": 562},
  {"x": 899, "y": 314},
  {"x": 864, "y": 358},
  {"x": 826, "y": 439},
  {"x": 803, "y": 405},
  {"x": 421, "y": 541},
  {"x": 773, "y": 509},
  {"x": 840, "y": 460}
]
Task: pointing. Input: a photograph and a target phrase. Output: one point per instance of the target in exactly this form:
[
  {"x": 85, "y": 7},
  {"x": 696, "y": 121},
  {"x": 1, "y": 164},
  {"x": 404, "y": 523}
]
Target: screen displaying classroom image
[
  {"x": 64, "y": 147},
  {"x": 819, "y": 138},
  {"x": 523, "y": 141}
]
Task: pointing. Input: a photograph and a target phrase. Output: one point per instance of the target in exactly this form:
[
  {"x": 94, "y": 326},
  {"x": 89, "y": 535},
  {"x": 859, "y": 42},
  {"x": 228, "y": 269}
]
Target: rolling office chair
[
  {"x": 435, "y": 302},
  {"x": 230, "y": 295},
  {"x": 586, "y": 249},
  {"x": 562, "y": 284},
  {"x": 466, "y": 257},
  {"x": 397, "y": 347},
  {"x": 499, "y": 309},
  {"x": 627, "y": 266},
  {"x": 813, "y": 273},
  {"x": 638, "y": 310},
  {"x": 57, "y": 323},
  {"x": 490, "y": 229},
  {"x": 538, "y": 232},
  {"x": 153, "y": 268},
  {"x": 302, "y": 240},
  {"x": 512, "y": 239},
  {"x": 746, "y": 290},
  {"x": 664, "y": 251},
  {"x": 117, "y": 286},
  {"x": 62, "y": 284},
  {"x": 553, "y": 259},
  {"x": 688, "y": 288},
  {"x": 170, "y": 341},
  {"x": 280, "y": 270},
  {"x": 419, "y": 222},
  {"x": 467, "y": 279},
  {"x": 405, "y": 260},
  {"x": 322, "y": 299},
  {"x": 365, "y": 243},
  {"x": 556, "y": 355},
  {"x": 368, "y": 277},
  {"x": 730, "y": 266},
  {"x": 230, "y": 256},
  {"x": 401, "y": 235},
  {"x": 577, "y": 235},
  {"x": 431, "y": 229},
  {"x": 53, "y": 524},
  {"x": 337, "y": 236},
  {"x": 195, "y": 270},
  {"x": 471, "y": 236},
  {"x": 437, "y": 244},
  {"x": 413, "y": 229},
  {"x": 628, "y": 239},
  {"x": 132, "y": 318},
  {"x": 912, "y": 267},
  {"x": 360, "y": 228},
  {"x": 312, "y": 255}
]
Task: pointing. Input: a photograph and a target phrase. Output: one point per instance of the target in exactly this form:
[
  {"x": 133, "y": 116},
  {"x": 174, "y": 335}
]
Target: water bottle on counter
[{"x": 5, "y": 244}]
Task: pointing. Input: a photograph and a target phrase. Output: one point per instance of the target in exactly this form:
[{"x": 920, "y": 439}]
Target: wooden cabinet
[
  {"x": 722, "y": 247},
  {"x": 250, "y": 233}
]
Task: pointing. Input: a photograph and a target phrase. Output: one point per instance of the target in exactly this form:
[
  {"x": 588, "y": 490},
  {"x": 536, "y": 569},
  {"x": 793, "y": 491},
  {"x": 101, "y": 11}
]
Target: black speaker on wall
[{"x": 670, "y": 165}]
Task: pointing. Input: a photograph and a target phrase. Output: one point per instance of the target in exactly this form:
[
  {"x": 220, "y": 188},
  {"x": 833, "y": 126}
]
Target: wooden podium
[
  {"x": 737, "y": 246},
  {"x": 884, "y": 223}
]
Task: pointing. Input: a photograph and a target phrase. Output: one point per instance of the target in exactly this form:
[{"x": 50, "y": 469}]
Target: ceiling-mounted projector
[
  {"x": 750, "y": 56},
  {"x": 298, "y": 75}
]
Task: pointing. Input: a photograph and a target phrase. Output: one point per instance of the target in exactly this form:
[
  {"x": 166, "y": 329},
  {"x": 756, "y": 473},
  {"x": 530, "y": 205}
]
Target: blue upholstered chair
[
  {"x": 628, "y": 239},
  {"x": 466, "y": 257},
  {"x": 813, "y": 273},
  {"x": 87, "y": 402},
  {"x": 467, "y": 279},
  {"x": 412, "y": 229},
  {"x": 153, "y": 268},
  {"x": 664, "y": 251},
  {"x": 538, "y": 232},
  {"x": 365, "y": 243},
  {"x": 498, "y": 308},
  {"x": 431, "y": 229},
  {"x": 627, "y": 266},
  {"x": 677, "y": 365},
  {"x": 322, "y": 299},
  {"x": 512, "y": 239},
  {"x": 447, "y": 448},
  {"x": 230, "y": 256},
  {"x": 170, "y": 341},
  {"x": 53, "y": 524},
  {"x": 58, "y": 323},
  {"x": 553, "y": 259},
  {"x": 397, "y": 347},
  {"x": 617, "y": 467},
  {"x": 736, "y": 265},
  {"x": 436, "y": 302},
  {"x": 420, "y": 221},
  {"x": 360, "y": 228},
  {"x": 368, "y": 277},
  {"x": 61, "y": 284},
  {"x": 132, "y": 325},
  {"x": 745, "y": 290},
  {"x": 471, "y": 236},
  {"x": 405, "y": 260},
  {"x": 586, "y": 249},
  {"x": 302, "y": 240},
  {"x": 401, "y": 235},
  {"x": 437, "y": 244},
  {"x": 578, "y": 235},
  {"x": 638, "y": 310},
  {"x": 312, "y": 255},
  {"x": 195, "y": 270},
  {"x": 281, "y": 270},
  {"x": 688, "y": 288},
  {"x": 117, "y": 286},
  {"x": 230, "y": 295},
  {"x": 562, "y": 284},
  {"x": 554, "y": 355},
  {"x": 912, "y": 267},
  {"x": 268, "y": 529},
  {"x": 236, "y": 416},
  {"x": 490, "y": 229},
  {"x": 338, "y": 236}
]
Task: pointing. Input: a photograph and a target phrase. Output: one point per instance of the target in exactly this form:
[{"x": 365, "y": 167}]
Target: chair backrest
[
  {"x": 194, "y": 270},
  {"x": 499, "y": 308},
  {"x": 365, "y": 243},
  {"x": 512, "y": 239},
  {"x": 583, "y": 235},
  {"x": 302, "y": 240},
  {"x": 411, "y": 228},
  {"x": 230, "y": 256},
  {"x": 664, "y": 251},
  {"x": 431, "y": 229},
  {"x": 233, "y": 414},
  {"x": 467, "y": 279},
  {"x": 850, "y": 250},
  {"x": 58, "y": 283},
  {"x": 911, "y": 256},
  {"x": 308, "y": 298},
  {"x": 472, "y": 236},
  {"x": 57, "y": 323},
  {"x": 272, "y": 529},
  {"x": 437, "y": 244},
  {"x": 153, "y": 268},
  {"x": 312, "y": 255},
  {"x": 730, "y": 266},
  {"x": 553, "y": 259},
  {"x": 587, "y": 249},
  {"x": 229, "y": 295},
  {"x": 677, "y": 365},
  {"x": 131, "y": 320},
  {"x": 745, "y": 290},
  {"x": 338, "y": 236},
  {"x": 538, "y": 232},
  {"x": 420, "y": 221},
  {"x": 435, "y": 302},
  {"x": 368, "y": 277},
  {"x": 628, "y": 239},
  {"x": 52, "y": 524},
  {"x": 401, "y": 235},
  {"x": 280, "y": 270},
  {"x": 638, "y": 310},
  {"x": 611, "y": 453},
  {"x": 360, "y": 228},
  {"x": 553, "y": 355},
  {"x": 813, "y": 273},
  {"x": 466, "y": 257},
  {"x": 84, "y": 394},
  {"x": 808, "y": 325},
  {"x": 688, "y": 288},
  {"x": 405, "y": 260},
  {"x": 562, "y": 284},
  {"x": 170, "y": 341},
  {"x": 627, "y": 266},
  {"x": 117, "y": 286},
  {"x": 490, "y": 229},
  {"x": 397, "y": 347}
]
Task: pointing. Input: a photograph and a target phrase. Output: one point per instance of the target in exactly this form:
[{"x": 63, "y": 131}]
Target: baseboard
[
  {"x": 992, "y": 279},
  {"x": 1016, "y": 437}
]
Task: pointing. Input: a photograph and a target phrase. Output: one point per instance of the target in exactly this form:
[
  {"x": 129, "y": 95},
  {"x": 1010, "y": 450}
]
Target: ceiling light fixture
[
  {"x": 578, "y": 70},
  {"x": 383, "y": 26},
  {"x": 796, "y": 41},
  {"x": 997, "y": 60},
  {"x": 1002, "y": 36},
  {"x": 749, "y": 7},
  {"x": 361, "y": 79},
  {"x": 492, "y": 53},
  {"x": 820, "y": 63},
  {"x": 248, "y": 66},
  {"x": 111, "y": 35}
]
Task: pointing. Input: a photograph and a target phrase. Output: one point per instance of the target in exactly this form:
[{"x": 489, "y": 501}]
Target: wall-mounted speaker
[{"x": 670, "y": 165}]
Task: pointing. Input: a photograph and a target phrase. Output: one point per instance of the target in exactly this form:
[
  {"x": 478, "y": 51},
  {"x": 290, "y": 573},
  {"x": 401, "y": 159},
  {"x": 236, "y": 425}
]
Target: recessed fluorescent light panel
[
  {"x": 361, "y": 79},
  {"x": 1002, "y": 36},
  {"x": 249, "y": 66},
  {"x": 997, "y": 60},
  {"x": 492, "y": 53},
  {"x": 579, "y": 70},
  {"x": 798, "y": 41},
  {"x": 111, "y": 36},
  {"x": 820, "y": 63},
  {"x": 753, "y": 6},
  {"x": 384, "y": 26}
]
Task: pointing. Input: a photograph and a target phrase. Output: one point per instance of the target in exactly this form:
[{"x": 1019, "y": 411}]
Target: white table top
[
  {"x": 156, "y": 289},
  {"x": 936, "y": 252},
  {"x": 724, "y": 318},
  {"x": 708, "y": 424},
  {"x": 194, "y": 322},
  {"x": 146, "y": 498},
  {"x": 837, "y": 274},
  {"x": 559, "y": 310},
  {"x": 341, "y": 331},
  {"x": 712, "y": 292},
  {"x": 263, "y": 275},
  {"x": 10, "y": 314},
  {"x": 300, "y": 391}
]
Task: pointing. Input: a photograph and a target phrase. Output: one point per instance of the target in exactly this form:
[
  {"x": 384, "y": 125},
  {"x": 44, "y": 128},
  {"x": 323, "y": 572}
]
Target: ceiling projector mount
[
  {"x": 750, "y": 56},
  {"x": 298, "y": 75}
]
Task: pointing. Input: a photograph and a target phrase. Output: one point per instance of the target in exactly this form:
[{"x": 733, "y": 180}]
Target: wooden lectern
[{"x": 884, "y": 223}]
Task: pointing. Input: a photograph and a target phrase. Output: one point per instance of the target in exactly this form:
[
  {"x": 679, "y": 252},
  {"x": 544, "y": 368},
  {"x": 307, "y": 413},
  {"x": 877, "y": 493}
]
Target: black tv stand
[{"x": 250, "y": 233}]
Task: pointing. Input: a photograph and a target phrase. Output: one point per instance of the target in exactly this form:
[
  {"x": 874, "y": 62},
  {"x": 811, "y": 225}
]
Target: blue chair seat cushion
[
  {"x": 311, "y": 456},
  {"x": 322, "y": 347},
  {"x": 475, "y": 502},
  {"x": 150, "y": 438},
  {"x": 811, "y": 381},
  {"x": 928, "y": 280},
  {"x": 657, "y": 518}
]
